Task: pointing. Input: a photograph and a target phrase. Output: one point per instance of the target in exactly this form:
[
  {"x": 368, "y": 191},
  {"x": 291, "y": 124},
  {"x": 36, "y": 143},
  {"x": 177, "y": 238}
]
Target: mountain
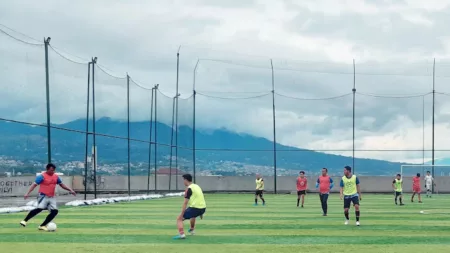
[{"x": 216, "y": 149}]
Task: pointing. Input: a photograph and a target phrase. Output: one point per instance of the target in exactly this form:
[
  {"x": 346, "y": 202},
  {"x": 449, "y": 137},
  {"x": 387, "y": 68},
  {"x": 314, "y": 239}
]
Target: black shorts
[
  {"x": 301, "y": 192},
  {"x": 348, "y": 201},
  {"x": 259, "y": 192},
  {"x": 193, "y": 213},
  {"x": 398, "y": 194}
]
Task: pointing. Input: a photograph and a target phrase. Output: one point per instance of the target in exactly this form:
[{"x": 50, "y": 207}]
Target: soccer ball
[
  {"x": 51, "y": 227},
  {"x": 422, "y": 212}
]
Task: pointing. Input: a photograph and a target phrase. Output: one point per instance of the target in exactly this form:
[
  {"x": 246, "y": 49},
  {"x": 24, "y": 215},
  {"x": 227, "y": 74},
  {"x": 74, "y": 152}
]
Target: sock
[
  {"x": 256, "y": 201},
  {"x": 325, "y": 207},
  {"x": 401, "y": 200},
  {"x": 298, "y": 202},
  {"x": 50, "y": 217},
  {"x": 32, "y": 213},
  {"x": 346, "y": 215},
  {"x": 181, "y": 231},
  {"x": 395, "y": 199},
  {"x": 357, "y": 215},
  {"x": 192, "y": 228},
  {"x": 263, "y": 200}
]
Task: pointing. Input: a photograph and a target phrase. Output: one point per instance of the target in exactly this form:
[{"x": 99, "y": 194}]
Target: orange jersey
[{"x": 302, "y": 184}]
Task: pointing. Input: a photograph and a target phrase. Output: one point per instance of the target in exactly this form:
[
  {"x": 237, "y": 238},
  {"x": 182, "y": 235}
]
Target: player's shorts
[
  {"x": 349, "y": 200},
  {"x": 44, "y": 202},
  {"x": 301, "y": 192},
  {"x": 428, "y": 187},
  {"x": 417, "y": 189},
  {"x": 398, "y": 194},
  {"x": 259, "y": 192},
  {"x": 193, "y": 213}
]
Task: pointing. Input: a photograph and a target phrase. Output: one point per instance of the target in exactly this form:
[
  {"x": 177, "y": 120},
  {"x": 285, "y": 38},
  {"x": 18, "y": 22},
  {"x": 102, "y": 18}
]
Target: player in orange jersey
[
  {"x": 302, "y": 185},
  {"x": 416, "y": 188},
  {"x": 47, "y": 182}
]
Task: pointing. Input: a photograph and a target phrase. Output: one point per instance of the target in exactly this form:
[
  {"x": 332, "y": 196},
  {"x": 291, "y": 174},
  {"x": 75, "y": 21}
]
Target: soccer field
[{"x": 233, "y": 224}]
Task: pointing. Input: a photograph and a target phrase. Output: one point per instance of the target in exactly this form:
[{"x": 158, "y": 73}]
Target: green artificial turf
[{"x": 233, "y": 224}]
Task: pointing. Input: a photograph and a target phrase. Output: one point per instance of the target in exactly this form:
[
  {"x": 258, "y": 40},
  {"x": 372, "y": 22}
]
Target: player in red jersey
[
  {"x": 302, "y": 185},
  {"x": 416, "y": 188},
  {"x": 325, "y": 184}
]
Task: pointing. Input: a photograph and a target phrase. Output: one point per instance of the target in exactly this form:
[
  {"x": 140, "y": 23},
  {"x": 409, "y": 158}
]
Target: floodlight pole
[
  {"x": 274, "y": 130},
  {"x": 150, "y": 144},
  {"x": 94, "y": 141},
  {"x": 353, "y": 117},
  {"x": 193, "y": 124},
  {"x": 47, "y": 89},
  {"x": 156, "y": 137},
  {"x": 87, "y": 132},
  {"x": 432, "y": 131}
]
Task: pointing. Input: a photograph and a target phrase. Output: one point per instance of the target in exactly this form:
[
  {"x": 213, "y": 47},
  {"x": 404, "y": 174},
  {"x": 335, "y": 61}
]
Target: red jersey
[
  {"x": 324, "y": 184},
  {"x": 302, "y": 184},
  {"x": 416, "y": 182}
]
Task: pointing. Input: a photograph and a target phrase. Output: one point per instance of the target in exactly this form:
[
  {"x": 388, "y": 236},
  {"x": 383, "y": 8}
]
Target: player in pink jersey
[
  {"x": 416, "y": 188},
  {"x": 47, "y": 182},
  {"x": 325, "y": 184},
  {"x": 302, "y": 185}
]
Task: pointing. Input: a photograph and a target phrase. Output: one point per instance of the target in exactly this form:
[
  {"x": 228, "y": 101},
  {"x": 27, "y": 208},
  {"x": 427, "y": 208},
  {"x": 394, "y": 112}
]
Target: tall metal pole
[
  {"x": 47, "y": 89},
  {"x": 432, "y": 138},
  {"x": 87, "y": 133},
  {"x": 176, "y": 121},
  {"x": 193, "y": 124},
  {"x": 150, "y": 144},
  {"x": 156, "y": 138},
  {"x": 171, "y": 144},
  {"x": 94, "y": 141},
  {"x": 274, "y": 131},
  {"x": 354, "y": 103},
  {"x": 128, "y": 134},
  {"x": 423, "y": 131}
]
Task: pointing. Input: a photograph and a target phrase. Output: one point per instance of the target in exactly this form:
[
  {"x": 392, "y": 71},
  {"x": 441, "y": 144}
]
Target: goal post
[{"x": 440, "y": 173}]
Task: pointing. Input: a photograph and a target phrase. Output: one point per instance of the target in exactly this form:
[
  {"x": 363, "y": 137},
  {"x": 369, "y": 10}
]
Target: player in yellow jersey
[
  {"x": 351, "y": 193},
  {"x": 195, "y": 203},
  {"x": 259, "y": 189},
  {"x": 397, "y": 184}
]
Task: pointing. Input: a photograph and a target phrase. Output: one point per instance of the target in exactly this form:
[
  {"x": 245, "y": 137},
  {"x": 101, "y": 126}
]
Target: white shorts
[
  {"x": 428, "y": 187},
  {"x": 44, "y": 202}
]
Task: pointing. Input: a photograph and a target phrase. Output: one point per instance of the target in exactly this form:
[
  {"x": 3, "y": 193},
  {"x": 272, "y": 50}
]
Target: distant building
[{"x": 166, "y": 171}]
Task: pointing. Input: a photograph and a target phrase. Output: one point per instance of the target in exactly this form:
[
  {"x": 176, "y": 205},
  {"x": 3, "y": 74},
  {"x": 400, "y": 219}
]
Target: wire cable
[
  {"x": 326, "y": 98},
  {"x": 20, "y": 40},
  {"x": 393, "y": 96},
  {"x": 67, "y": 58},
  {"x": 231, "y": 98}
]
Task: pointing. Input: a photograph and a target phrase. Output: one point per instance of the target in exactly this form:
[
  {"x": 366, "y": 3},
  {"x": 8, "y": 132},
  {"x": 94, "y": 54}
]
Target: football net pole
[{"x": 409, "y": 171}]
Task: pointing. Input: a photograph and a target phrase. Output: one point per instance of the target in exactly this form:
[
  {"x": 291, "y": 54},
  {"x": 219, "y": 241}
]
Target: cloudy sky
[{"x": 312, "y": 45}]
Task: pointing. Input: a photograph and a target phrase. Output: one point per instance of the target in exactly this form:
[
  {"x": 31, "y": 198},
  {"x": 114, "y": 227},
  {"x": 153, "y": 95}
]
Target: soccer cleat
[
  {"x": 357, "y": 223},
  {"x": 23, "y": 223},
  {"x": 183, "y": 236},
  {"x": 191, "y": 231},
  {"x": 264, "y": 203},
  {"x": 324, "y": 214},
  {"x": 255, "y": 204},
  {"x": 402, "y": 204},
  {"x": 302, "y": 206},
  {"x": 43, "y": 228},
  {"x": 346, "y": 222},
  {"x": 420, "y": 202}
]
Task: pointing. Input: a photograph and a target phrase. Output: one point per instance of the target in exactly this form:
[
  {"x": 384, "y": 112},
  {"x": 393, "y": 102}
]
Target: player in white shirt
[{"x": 429, "y": 182}]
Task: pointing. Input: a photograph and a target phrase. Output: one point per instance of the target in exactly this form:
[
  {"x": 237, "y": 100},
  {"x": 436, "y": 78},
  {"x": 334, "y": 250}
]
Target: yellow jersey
[
  {"x": 259, "y": 184},
  {"x": 196, "y": 197},
  {"x": 349, "y": 185},
  {"x": 398, "y": 185}
]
